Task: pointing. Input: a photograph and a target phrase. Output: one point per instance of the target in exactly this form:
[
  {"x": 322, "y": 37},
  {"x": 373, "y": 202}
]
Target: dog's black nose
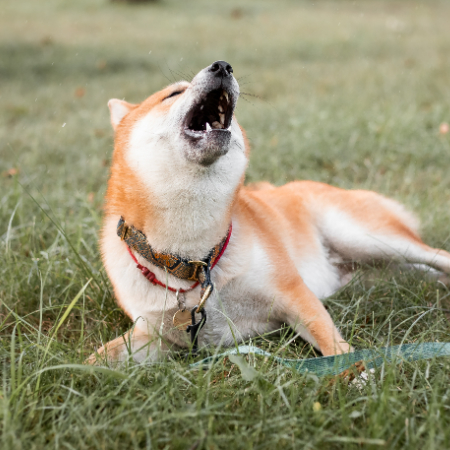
[{"x": 221, "y": 69}]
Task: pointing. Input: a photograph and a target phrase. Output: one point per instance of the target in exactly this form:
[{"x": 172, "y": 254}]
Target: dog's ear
[{"x": 118, "y": 109}]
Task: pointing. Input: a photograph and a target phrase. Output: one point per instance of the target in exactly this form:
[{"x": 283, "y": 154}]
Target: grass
[{"x": 350, "y": 93}]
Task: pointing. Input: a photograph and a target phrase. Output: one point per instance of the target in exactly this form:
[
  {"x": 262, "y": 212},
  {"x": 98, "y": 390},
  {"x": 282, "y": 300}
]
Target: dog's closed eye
[{"x": 173, "y": 94}]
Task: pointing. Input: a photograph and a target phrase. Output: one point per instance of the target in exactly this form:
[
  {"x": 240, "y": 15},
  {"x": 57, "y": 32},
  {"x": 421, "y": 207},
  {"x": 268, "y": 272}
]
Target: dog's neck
[
  {"x": 190, "y": 218},
  {"x": 183, "y": 214}
]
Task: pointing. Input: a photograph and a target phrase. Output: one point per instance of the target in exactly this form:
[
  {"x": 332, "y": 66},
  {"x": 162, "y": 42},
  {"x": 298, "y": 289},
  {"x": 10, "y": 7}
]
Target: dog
[{"x": 187, "y": 245}]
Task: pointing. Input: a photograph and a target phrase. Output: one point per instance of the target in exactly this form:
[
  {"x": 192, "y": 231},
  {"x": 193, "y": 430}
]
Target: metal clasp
[
  {"x": 205, "y": 297},
  {"x": 195, "y": 327},
  {"x": 181, "y": 300}
]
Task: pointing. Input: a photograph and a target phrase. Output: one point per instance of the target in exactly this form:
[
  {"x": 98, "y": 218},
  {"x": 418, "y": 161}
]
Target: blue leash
[{"x": 334, "y": 365}]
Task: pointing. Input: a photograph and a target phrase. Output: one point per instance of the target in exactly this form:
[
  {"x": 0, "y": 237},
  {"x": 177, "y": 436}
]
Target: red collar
[{"x": 152, "y": 277}]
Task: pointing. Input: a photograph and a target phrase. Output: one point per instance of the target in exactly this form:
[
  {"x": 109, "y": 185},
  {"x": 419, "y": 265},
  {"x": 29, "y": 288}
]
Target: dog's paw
[
  {"x": 338, "y": 348},
  {"x": 93, "y": 360},
  {"x": 344, "y": 348}
]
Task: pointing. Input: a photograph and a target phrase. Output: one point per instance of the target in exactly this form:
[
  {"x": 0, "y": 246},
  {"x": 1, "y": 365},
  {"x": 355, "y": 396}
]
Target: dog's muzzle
[{"x": 208, "y": 122}]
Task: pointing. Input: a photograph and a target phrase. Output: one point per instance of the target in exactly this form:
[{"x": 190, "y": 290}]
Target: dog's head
[
  {"x": 179, "y": 158},
  {"x": 185, "y": 123}
]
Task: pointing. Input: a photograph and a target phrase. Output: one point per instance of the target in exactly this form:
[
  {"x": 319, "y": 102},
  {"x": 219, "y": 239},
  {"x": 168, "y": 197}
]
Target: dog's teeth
[
  {"x": 226, "y": 94},
  {"x": 222, "y": 118},
  {"x": 201, "y": 107},
  {"x": 220, "y": 108},
  {"x": 217, "y": 124},
  {"x": 208, "y": 126}
]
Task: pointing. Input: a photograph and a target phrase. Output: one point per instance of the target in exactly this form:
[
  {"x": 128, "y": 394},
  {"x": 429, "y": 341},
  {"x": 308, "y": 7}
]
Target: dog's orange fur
[{"x": 282, "y": 221}]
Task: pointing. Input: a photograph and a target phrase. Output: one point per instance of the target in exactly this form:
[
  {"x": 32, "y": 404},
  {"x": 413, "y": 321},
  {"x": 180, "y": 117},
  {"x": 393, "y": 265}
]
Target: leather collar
[{"x": 175, "y": 265}]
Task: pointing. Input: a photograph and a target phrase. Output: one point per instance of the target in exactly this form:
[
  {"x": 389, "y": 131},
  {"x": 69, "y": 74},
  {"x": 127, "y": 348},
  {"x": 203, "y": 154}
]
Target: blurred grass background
[{"x": 349, "y": 93}]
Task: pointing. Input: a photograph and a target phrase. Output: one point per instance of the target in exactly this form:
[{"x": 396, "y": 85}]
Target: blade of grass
[{"x": 55, "y": 330}]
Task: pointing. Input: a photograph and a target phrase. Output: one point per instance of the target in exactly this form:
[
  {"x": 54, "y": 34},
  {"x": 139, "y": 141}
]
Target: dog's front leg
[
  {"x": 307, "y": 315},
  {"x": 136, "y": 344}
]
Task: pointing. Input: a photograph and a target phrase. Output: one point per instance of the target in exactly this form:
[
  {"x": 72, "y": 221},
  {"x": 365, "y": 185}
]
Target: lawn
[{"x": 349, "y": 93}]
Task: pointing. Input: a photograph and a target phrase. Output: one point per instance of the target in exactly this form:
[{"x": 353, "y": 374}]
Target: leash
[{"x": 335, "y": 365}]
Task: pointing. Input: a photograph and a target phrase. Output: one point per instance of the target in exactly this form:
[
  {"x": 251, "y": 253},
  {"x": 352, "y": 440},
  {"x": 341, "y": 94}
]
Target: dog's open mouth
[{"x": 213, "y": 113}]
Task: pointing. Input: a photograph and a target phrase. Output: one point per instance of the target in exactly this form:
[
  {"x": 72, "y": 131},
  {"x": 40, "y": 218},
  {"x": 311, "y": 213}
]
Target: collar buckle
[
  {"x": 200, "y": 263},
  {"x": 197, "y": 265}
]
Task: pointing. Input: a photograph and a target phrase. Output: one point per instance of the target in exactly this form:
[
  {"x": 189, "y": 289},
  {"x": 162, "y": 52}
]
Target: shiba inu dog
[{"x": 182, "y": 234}]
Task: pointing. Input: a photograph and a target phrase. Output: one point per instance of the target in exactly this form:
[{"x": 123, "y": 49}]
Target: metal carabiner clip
[{"x": 195, "y": 327}]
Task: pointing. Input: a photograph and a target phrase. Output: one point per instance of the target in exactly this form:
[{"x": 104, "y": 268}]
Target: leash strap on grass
[{"x": 334, "y": 365}]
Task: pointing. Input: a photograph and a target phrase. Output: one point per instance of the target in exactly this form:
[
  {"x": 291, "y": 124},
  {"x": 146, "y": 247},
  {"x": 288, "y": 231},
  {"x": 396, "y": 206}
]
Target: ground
[{"x": 349, "y": 93}]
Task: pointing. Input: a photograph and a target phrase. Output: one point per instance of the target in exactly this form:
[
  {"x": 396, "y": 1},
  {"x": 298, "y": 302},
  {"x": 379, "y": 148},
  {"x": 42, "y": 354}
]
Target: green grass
[{"x": 350, "y": 93}]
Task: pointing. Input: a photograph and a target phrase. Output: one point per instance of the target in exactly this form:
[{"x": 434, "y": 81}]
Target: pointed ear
[{"x": 118, "y": 109}]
